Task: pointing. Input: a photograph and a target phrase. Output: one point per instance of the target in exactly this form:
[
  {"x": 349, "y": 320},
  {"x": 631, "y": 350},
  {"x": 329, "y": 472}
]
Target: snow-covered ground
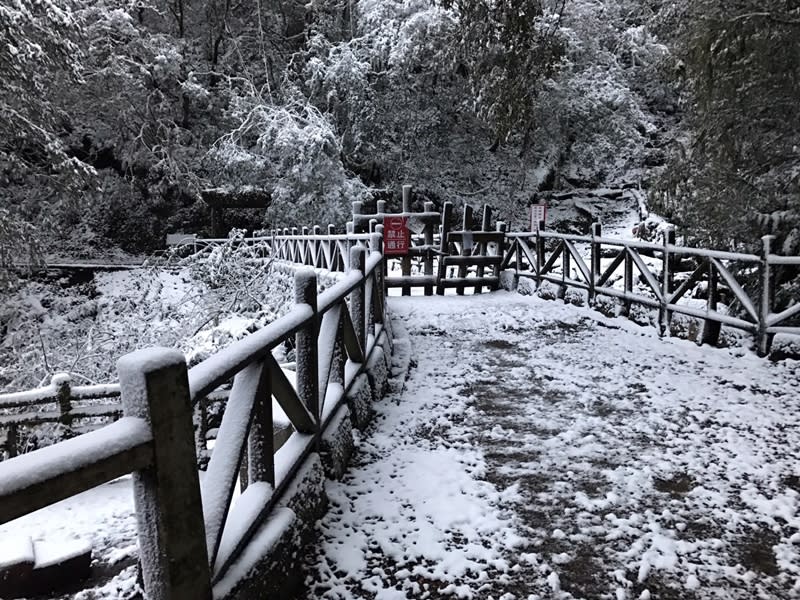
[
  {"x": 540, "y": 451},
  {"x": 545, "y": 451}
]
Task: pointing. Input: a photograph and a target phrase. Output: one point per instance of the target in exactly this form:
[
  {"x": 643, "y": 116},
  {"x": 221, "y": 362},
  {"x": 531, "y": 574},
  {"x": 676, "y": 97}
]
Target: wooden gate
[{"x": 439, "y": 257}]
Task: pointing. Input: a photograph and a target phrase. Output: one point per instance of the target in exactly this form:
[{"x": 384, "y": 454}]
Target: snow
[
  {"x": 35, "y": 396},
  {"x": 538, "y": 450},
  {"x": 102, "y": 516},
  {"x": 49, "y": 554},
  {"x": 541, "y": 450},
  {"x": 15, "y": 550}
]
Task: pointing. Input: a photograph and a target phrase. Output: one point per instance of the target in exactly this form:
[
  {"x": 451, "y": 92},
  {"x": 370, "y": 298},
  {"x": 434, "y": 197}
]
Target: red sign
[{"x": 396, "y": 236}]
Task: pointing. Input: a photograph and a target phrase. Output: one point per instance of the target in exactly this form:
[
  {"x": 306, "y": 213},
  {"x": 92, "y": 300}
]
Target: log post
[
  {"x": 378, "y": 285},
  {"x": 307, "y": 360},
  {"x": 407, "y": 189},
  {"x": 428, "y": 264},
  {"x": 501, "y": 227},
  {"x": 664, "y": 314},
  {"x": 200, "y": 416},
  {"x": 674, "y": 257},
  {"x": 444, "y": 249},
  {"x": 260, "y": 441},
  {"x": 380, "y": 207},
  {"x": 628, "y": 281},
  {"x": 61, "y": 382},
  {"x": 466, "y": 249},
  {"x": 594, "y": 267},
  {"x": 485, "y": 223},
  {"x": 711, "y": 328},
  {"x": 357, "y": 301},
  {"x": 540, "y": 260},
  {"x": 305, "y": 247},
  {"x": 566, "y": 268},
  {"x": 336, "y": 263},
  {"x": 358, "y": 209},
  {"x": 12, "y": 440},
  {"x": 316, "y": 246},
  {"x": 405, "y": 261},
  {"x": 294, "y": 247},
  {"x": 765, "y": 305},
  {"x": 169, "y": 512}
]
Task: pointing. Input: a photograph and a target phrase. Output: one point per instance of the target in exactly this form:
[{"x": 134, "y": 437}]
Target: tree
[
  {"x": 735, "y": 174},
  {"x": 38, "y": 52},
  {"x": 19, "y": 248},
  {"x": 508, "y": 50}
]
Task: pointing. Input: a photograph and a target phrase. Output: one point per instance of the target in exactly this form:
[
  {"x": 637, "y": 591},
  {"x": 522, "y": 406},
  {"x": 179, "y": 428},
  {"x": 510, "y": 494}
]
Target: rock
[
  {"x": 16, "y": 566},
  {"x": 60, "y": 565},
  {"x": 785, "y": 345}
]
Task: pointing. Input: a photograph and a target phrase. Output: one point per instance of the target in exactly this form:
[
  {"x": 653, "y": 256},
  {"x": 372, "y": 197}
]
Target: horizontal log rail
[{"x": 617, "y": 268}]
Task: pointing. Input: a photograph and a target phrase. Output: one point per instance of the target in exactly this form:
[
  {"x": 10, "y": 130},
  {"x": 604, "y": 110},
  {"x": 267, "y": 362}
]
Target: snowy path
[{"x": 544, "y": 451}]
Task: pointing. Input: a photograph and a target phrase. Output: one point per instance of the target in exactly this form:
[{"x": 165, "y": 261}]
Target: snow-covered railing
[
  {"x": 190, "y": 534},
  {"x": 313, "y": 248},
  {"x": 612, "y": 264},
  {"x": 60, "y": 402},
  {"x": 438, "y": 256},
  {"x": 424, "y": 230}
]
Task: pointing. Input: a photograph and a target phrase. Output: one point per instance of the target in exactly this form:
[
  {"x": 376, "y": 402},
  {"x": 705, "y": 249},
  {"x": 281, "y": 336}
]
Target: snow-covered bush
[
  {"x": 294, "y": 151},
  {"x": 82, "y": 328}
]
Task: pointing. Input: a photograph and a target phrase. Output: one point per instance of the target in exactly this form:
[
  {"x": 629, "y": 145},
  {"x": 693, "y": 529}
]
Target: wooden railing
[
  {"x": 185, "y": 545},
  {"x": 60, "y": 402},
  {"x": 612, "y": 265}
]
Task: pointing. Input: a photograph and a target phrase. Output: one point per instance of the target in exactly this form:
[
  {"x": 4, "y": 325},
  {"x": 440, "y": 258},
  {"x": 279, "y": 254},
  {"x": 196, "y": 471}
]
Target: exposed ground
[{"x": 542, "y": 451}]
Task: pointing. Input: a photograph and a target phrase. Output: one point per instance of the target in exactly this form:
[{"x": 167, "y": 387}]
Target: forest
[
  {"x": 120, "y": 119},
  {"x": 119, "y": 116}
]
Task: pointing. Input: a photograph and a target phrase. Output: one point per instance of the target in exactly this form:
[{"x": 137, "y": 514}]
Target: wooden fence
[
  {"x": 619, "y": 269},
  {"x": 60, "y": 402},
  {"x": 184, "y": 544}
]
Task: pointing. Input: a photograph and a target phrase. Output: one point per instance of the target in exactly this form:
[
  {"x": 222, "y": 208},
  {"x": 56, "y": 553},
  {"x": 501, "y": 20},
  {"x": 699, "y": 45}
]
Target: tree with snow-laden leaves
[
  {"x": 39, "y": 56},
  {"x": 736, "y": 174}
]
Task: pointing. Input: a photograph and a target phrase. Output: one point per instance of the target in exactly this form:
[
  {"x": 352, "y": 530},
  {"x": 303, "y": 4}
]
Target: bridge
[{"x": 533, "y": 440}]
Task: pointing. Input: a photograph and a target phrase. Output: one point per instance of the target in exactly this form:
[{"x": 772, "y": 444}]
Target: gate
[{"x": 439, "y": 256}]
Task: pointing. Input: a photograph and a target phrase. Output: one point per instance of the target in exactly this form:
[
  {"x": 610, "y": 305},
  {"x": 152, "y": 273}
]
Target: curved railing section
[{"x": 189, "y": 531}]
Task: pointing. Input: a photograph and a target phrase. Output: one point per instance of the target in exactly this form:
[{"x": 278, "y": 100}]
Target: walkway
[{"x": 543, "y": 451}]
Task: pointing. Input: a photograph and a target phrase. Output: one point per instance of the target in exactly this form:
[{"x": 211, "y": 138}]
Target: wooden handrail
[{"x": 556, "y": 265}]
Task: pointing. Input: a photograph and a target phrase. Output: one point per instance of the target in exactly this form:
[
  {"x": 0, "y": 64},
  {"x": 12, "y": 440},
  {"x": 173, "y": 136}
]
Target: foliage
[
  {"x": 508, "y": 50},
  {"x": 19, "y": 249},
  {"x": 736, "y": 173},
  {"x": 294, "y": 151},
  {"x": 39, "y": 55},
  {"x": 196, "y": 303}
]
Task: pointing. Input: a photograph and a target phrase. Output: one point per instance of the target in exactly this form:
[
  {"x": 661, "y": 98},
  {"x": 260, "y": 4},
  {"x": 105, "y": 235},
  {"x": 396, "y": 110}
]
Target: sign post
[
  {"x": 397, "y": 237},
  {"x": 538, "y": 216}
]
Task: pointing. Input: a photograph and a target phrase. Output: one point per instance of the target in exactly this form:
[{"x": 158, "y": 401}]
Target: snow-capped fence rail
[
  {"x": 191, "y": 533},
  {"x": 60, "y": 402},
  {"x": 557, "y": 258}
]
